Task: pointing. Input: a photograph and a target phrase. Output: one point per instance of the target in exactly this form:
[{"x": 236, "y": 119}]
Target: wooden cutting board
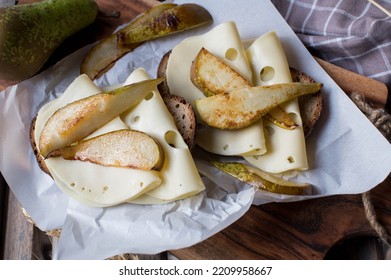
[{"x": 298, "y": 230}]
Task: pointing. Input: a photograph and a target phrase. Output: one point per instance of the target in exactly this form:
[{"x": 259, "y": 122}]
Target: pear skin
[
  {"x": 161, "y": 20},
  {"x": 29, "y": 33}
]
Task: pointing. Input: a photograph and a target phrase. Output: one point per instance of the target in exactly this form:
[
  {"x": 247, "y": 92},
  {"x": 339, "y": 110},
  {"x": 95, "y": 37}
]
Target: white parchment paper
[{"x": 346, "y": 153}]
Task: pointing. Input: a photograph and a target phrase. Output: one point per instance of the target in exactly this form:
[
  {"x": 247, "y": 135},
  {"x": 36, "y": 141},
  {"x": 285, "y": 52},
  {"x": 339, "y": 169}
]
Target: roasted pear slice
[
  {"x": 169, "y": 21},
  {"x": 241, "y": 108},
  {"x": 213, "y": 76},
  {"x": 78, "y": 119},
  {"x": 161, "y": 20},
  {"x": 121, "y": 148},
  {"x": 103, "y": 56},
  {"x": 261, "y": 179}
]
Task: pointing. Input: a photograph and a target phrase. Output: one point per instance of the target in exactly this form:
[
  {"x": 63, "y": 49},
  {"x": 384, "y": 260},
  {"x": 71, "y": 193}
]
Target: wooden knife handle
[{"x": 374, "y": 90}]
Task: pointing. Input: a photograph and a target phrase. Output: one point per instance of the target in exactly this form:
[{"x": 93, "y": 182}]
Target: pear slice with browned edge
[
  {"x": 103, "y": 56},
  {"x": 167, "y": 22},
  {"x": 161, "y": 20},
  {"x": 243, "y": 107},
  {"x": 213, "y": 76},
  {"x": 78, "y": 119},
  {"x": 261, "y": 179},
  {"x": 121, "y": 148},
  {"x": 105, "y": 53}
]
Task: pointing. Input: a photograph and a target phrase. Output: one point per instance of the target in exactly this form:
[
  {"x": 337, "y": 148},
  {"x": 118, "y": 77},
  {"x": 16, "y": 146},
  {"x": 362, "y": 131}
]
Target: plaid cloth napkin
[{"x": 353, "y": 34}]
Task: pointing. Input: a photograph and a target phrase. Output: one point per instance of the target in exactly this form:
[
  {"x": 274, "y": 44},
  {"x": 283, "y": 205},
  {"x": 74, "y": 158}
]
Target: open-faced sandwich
[
  {"x": 135, "y": 155},
  {"x": 233, "y": 88},
  {"x": 132, "y": 144}
]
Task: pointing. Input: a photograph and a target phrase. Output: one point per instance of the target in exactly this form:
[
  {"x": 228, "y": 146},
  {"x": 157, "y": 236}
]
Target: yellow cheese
[
  {"x": 286, "y": 149},
  {"x": 89, "y": 183},
  {"x": 180, "y": 177},
  {"x": 223, "y": 41}
]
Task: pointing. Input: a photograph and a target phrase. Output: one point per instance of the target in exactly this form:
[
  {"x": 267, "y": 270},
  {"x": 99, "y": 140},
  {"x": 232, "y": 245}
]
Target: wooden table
[{"x": 299, "y": 230}]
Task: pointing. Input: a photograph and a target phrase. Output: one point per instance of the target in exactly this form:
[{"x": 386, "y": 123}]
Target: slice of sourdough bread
[
  {"x": 310, "y": 105},
  {"x": 184, "y": 117}
]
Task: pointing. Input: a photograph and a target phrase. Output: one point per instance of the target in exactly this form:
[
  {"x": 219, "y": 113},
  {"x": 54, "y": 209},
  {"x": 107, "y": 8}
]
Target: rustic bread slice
[
  {"x": 184, "y": 117},
  {"x": 310, "y": 105},
  {"x": 180, "y": 109}
]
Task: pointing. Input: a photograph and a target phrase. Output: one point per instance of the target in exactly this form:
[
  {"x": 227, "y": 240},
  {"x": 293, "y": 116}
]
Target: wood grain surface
[{"x": 298, "y": 230}]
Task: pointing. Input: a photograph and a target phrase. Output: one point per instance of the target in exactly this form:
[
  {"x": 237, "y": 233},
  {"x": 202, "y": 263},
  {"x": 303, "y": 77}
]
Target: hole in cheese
[
  {"x": 295, "y": 117},
  {"x": 73, "y": 185},
  {"x": 269, "y": 130},
  {"x": 267, "y": 73},
  {"x": 231, "y": 54},
  {"x": 291, "y": 159},
  {"x": 149, "y": 96},
  {"x": 173, "y": 139},
  {"x": 135, "y": 119},
  {"x": 226, "y": 147},
  {"x": 105, "y": 189}
]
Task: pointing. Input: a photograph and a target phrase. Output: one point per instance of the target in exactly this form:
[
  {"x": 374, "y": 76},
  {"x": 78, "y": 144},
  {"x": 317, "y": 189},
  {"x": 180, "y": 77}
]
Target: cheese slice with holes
[
  {"x": 223, "y": 41},
  {"x": 286, "y": 149},
  {"x": 86, "y": 182},
  {"x": 180, "y": 177}
]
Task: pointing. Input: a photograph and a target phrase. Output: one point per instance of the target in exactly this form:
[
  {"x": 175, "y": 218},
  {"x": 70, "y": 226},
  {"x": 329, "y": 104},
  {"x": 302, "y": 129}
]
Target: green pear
[{"x": 30, "y": 33}]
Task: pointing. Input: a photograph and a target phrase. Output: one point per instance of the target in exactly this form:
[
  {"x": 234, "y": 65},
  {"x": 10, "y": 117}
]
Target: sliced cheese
[
  {"x": 286, "y": 149},
  {"x": 180, "y": 177},
  {"x": 86, "y": 182},
  {"x": 105, "y": 186},
  {"x": 223, "y": 41}
]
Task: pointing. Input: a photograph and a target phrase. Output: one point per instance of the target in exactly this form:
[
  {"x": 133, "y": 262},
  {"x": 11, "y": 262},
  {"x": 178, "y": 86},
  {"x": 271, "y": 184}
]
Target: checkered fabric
[{"x": 353, "y": 34}]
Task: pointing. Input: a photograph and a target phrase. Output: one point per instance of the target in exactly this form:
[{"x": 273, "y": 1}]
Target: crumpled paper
[{"x": 346, "y": 153}]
